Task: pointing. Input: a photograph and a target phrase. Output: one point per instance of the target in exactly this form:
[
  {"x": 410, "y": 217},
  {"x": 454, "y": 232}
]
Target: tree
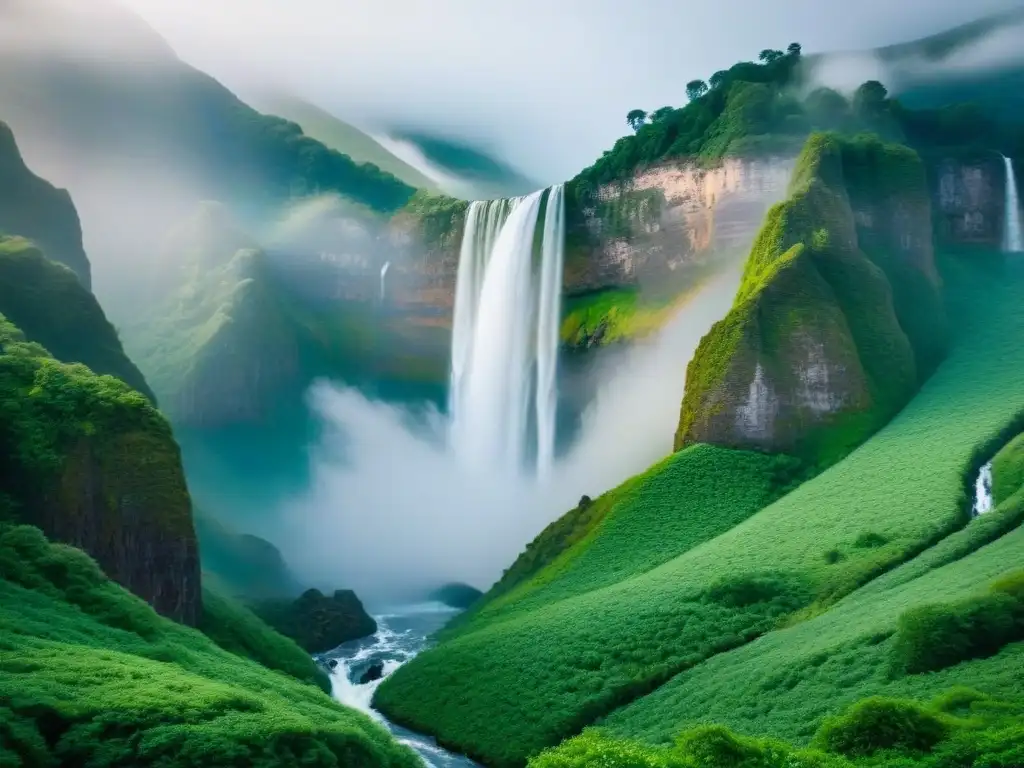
[
  {"x": 768, "y": 55},
  {"x": 869, "y": 100},
  {"x": 794, "y": 50},
  {"x": 660, "y": 114},
  {"x": 717, "y": 80},
  {"x": 695, "y": 89},
  {"x": 636, "y": 118}
]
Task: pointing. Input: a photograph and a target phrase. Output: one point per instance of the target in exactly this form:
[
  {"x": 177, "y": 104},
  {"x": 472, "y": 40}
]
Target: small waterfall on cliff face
[
  {"x": 1013, "y": 239},
  {"x": 505, "y": 333},
  {"x": 383, "y": 276}
]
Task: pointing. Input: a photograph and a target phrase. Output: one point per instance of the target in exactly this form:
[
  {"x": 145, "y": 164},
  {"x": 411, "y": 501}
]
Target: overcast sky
[{"x": 544, "y": 83}]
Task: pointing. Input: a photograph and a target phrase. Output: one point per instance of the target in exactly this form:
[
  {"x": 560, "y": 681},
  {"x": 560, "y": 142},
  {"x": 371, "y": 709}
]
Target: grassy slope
[
  {"x": 89, "y": 675},
  {"x": 540, "y": 673},
  {"x": 337, "y": 134}
]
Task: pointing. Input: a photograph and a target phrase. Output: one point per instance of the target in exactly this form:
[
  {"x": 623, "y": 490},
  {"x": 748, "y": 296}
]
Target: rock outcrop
[
  {"x": 838, "y": 316},
  {"x": 317, "y": 622},
  {"x": 91, "y": 462},
  {"x": 35, "y": 209}
]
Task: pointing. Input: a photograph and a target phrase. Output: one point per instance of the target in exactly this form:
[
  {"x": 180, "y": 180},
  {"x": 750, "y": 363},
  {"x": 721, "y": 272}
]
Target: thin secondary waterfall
[
  {"x": 383, "y": 275},
  {"x": 1013, "y": 238},
  {"x": 505, "y": 333}
]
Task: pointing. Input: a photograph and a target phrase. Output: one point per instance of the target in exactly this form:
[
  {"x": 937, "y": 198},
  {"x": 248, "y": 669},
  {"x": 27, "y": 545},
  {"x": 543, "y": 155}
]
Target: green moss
[
  {"x": 90, "y": 675},
  {"x": 1008, "y": 470},
  {"x": 811, "y": 298},
  {"x": 436, "y": 219}
]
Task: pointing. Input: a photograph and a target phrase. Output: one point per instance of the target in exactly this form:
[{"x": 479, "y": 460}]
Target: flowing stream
[
  {"x": 400, "y": 635},
  {"x": 1013, "y": 238},
  {"x": 983, "y": 501}
]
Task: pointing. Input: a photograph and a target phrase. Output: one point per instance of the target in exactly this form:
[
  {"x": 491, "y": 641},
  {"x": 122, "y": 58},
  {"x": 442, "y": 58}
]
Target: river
[{"x": 401, "y": 634}]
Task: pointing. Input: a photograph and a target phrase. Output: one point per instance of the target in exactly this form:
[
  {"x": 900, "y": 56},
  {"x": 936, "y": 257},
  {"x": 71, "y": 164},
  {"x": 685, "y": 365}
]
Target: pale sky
[{"x": 544, "y": 83}]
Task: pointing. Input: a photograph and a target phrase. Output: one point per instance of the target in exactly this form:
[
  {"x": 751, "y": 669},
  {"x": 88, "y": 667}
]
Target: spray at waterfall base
[{"x": 403, "y": 499}]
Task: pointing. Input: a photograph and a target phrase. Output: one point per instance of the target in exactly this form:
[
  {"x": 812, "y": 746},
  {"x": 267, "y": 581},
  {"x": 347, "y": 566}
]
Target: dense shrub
[
  {"x": 877, "y": 724},
  {"x": 933, "y": 637}
]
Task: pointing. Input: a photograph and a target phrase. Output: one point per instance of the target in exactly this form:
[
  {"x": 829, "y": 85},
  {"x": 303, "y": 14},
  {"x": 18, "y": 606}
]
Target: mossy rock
[
  {"x": 813, "y": 357},
  {"x": 92, "y": 463}
]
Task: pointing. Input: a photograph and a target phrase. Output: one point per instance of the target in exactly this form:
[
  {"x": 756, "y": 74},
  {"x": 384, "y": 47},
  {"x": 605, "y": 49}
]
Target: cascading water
[
  {"x": 505, "y": 334},
  {"x": 383, "y": 275},
  {"x": 1013, "y": 237}
]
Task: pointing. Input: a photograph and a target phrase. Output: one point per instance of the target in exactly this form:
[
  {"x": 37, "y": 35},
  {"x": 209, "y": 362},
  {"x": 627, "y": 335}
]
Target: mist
[
  {"x": 390, "y": 511},
  {"x": 999, "y": 48},
  {"x": 545, "y": 86}
]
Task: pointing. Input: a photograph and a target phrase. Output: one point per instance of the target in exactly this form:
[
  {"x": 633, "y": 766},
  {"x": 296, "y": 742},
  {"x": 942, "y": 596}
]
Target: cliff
[
  {"x": 94, "y": 465},
  {"x": 34, "y": 208},
  {"x": 51, "y": 307},
  {"x": 238, "y": 331},
  {"x": 838, "y": 316},
  {"x": 968, "y": 197}
]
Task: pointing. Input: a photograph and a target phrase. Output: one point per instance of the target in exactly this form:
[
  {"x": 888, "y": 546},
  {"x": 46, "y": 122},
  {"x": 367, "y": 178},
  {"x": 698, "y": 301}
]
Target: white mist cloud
[
  {"x": 544, "y": 84},
  {"x": 391, "y": 510}
]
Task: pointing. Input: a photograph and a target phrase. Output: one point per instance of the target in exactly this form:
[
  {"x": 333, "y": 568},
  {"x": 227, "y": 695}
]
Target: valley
[{"x": 333, "y": 439}]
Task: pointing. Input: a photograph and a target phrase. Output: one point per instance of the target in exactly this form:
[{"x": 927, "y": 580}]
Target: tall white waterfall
[
  {"x": 1013, "y": 239},
  {"x": 505, "y": 334},
  {"x": 383, "y": 276}
]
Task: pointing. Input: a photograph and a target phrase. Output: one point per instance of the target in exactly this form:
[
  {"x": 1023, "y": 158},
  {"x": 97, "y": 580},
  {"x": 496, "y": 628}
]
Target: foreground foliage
[
  {"x": 90, "y": 675},
  {"x": 962, "y": 728}
]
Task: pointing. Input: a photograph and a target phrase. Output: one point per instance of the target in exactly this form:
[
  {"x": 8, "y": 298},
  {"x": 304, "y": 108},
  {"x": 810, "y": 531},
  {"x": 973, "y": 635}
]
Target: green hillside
[
  {"x": 345, "y": 138},
  {"x": 89, "y": 675},
  {"x": 560, "y": 644}
]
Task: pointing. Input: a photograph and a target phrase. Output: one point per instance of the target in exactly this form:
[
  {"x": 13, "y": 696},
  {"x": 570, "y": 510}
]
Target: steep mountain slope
[
  {"x": 92, "y": 463},
  {"x": 558, "y": 643},
  {"x": 50, "y": 306},
  {"x": 234, "y": 330},
  {"x": 838, "y": 316},
  {"x": 33, "y": 208},
  {"x": 337, "y": 134}
]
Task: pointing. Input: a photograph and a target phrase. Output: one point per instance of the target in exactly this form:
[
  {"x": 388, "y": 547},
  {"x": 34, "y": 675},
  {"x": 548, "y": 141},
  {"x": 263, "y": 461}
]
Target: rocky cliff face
[
  {"x": 838, "y": 314},
  {"x": 94, "y": 465},
  {"x": 35, "y": 209},
  {"x": 968, "y": 195},
  {"x": 662, "y": 218}
]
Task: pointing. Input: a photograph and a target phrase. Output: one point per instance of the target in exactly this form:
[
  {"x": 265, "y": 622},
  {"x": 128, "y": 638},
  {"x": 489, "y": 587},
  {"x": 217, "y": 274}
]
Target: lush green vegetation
[
  {"x": 1008, "y": 470},
  {"x": 235, "y": 628},
  {"x": 51, "y": 307},
  {"x": 768, "y": 108},
  {"x": 343, "y": 137},
  {"x": 808, "y": 284},
  {"x": 90, "y": 675},
  {"x": 961, "y": 727},
  {"x": 33, "y": 208},
  {"x": 541, "y": 670}
]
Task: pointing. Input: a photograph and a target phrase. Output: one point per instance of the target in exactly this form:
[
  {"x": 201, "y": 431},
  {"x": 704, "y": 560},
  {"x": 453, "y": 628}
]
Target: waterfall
[
  {"x": 383, "y": 274},
  {"x": 505, "y": 332},
  {"x": 1013, "y": 239}
]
